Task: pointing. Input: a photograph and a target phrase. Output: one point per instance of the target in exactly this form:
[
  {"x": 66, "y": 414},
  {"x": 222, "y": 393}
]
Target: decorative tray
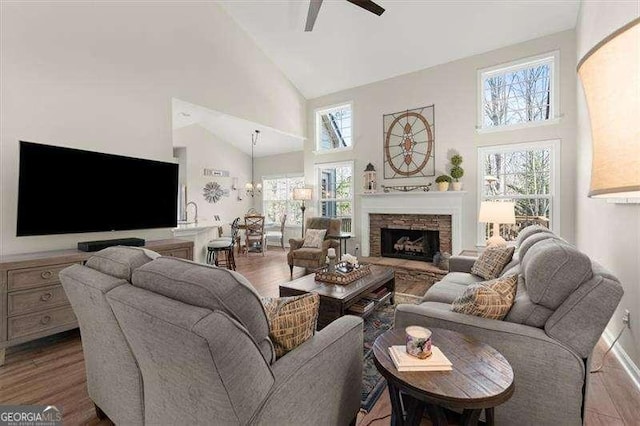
[{"x": 343, "y": 275}]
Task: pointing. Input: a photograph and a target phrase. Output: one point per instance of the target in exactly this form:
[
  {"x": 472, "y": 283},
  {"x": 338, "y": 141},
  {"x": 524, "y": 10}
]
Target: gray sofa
[
  {"x": 168, "y": 341},
  {"x": 563, "y": 303}
]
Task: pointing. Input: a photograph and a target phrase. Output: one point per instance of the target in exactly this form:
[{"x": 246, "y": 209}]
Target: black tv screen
[{"x": 64, "y": 190}]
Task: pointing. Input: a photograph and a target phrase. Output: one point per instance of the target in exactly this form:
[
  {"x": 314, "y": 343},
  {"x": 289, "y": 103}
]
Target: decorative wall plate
[
  {"x": 212, "y": 192},
  {"x": 409, "y": 143}
]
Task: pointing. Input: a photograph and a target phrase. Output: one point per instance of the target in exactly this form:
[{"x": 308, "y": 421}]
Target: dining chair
[
  {"x": 254, "y": 236},
  {"x": 276, "y": 234}
]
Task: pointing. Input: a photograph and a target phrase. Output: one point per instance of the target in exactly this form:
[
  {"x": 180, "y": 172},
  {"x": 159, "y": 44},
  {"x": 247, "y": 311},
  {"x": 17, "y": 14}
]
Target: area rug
[{"x": 381, "y": 320}]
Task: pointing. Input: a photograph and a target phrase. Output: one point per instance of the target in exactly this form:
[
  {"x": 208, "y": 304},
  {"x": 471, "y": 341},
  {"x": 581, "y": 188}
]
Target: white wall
[
  {"x": 100, "y": 76},
  {"x": 609, "y": 233},
  {"x": 452, "y": 88},
  {"x": 204, "y": 150}
]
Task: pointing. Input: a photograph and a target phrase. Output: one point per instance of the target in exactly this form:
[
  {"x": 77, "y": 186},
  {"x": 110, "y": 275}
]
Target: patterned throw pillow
[
  {"x": 292, "y": 320},
  {"x": 488, "y": 299},
  {"x": 314, "y": 238},
  {"x": 492, "y": 261}
]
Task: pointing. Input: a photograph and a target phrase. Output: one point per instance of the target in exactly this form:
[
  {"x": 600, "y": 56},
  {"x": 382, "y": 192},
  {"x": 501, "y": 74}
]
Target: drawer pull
[
  {"x": 45, "y": 320},
  {"x": 46, "y": 275},
  {"x": 46, "y": 297}
]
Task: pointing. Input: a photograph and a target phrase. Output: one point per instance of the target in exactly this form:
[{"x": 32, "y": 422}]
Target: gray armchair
[
  {"x": 198, "y": 336},
  {"x": 313, "y": 258},
  {"x": 563, "y": 303}
]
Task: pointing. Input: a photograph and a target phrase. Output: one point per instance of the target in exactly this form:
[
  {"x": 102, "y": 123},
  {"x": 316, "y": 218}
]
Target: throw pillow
[
  {"x": 492, "y": 261},
  {"x": 292, "y": 320},
  {"x": 314, "y": 238},
  {"x": 489, "y": 299}
]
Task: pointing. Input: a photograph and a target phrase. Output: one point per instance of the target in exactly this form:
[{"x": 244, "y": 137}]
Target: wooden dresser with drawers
[{"x": 32, "y": 301}]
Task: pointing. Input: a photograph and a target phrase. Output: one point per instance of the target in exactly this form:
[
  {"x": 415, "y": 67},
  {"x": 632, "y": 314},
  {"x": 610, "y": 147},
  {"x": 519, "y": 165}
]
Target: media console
[{"x": 32, "y": 301}]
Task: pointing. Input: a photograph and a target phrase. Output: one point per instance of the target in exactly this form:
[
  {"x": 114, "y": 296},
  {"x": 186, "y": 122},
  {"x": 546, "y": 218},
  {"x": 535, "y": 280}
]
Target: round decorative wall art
[
  {"x": 212, "y": 192},
  {"x": 409, "y": 143}
]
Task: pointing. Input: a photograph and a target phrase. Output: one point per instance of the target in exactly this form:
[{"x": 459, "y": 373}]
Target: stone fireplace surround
[
  {"x": 424, "y": 210},
  {"x": 414, "y": 222}
]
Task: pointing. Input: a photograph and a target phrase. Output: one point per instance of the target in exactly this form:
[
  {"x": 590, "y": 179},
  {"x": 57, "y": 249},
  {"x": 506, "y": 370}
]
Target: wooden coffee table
[
  {"x": 336, "y": 299},
  {"x": 481, "y": 379}
]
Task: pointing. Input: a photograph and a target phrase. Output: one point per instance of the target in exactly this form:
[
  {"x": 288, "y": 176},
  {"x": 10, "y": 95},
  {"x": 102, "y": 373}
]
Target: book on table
[
  {"x": 361, "y": 306},
  {"x": 378, "y": 294},
  {"x": 405, "y": 362}
]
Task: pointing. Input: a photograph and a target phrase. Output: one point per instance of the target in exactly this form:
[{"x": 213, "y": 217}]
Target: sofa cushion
[
  {"x": 513, "y": 267},
  {"x": 444, "y": 292},
  {"x": 314, "y": 238},
  {"x": 292, "y": 320},
  {"x": 529, "y": 231},
  {"x": 524, "y": 311},
  {"x": 553, "y": 270},
  {"x": 462, "y": 278},
  {"x": 489, "y": 299},
  {"x": 212, "y": 288},
  {"x": 120, "y": 261},
  {"x": 492, "y": 261},
  {"x": 533, "y": 240}
]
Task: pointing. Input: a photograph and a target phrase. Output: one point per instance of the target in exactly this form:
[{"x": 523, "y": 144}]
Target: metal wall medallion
[
  {"x": 409, "y": 143},
  {"x": 212, "y": 192}
]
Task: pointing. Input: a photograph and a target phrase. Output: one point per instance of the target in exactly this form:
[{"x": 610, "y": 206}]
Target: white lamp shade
[
  {"x": 302, "y": 194},
  {"x": 497, "y": 212},
  {"x": 610, "y": 75}
]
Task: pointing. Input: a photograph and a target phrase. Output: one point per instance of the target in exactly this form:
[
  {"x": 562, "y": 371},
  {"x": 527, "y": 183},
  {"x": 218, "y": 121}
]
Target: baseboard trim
[{"x": 627, "y": 363}]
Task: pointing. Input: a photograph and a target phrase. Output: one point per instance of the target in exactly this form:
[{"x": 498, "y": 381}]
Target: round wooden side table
[{"x": 481, "y": 379}]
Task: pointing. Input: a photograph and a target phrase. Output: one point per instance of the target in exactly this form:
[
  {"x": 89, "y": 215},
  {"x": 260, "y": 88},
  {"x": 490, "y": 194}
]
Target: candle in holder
[
  {"x": 418, "y": 341},
  {"x": 331, "y": 254}
]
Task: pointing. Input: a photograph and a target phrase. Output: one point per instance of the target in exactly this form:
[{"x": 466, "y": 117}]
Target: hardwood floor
[{"x": 51, "y": 371}]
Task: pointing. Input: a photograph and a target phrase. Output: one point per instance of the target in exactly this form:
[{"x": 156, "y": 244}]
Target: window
[
  {"x": 518, "y": 94},
  {"x": 334, "y": 128},
  {"x": 335, "y": 186},
  {"x": 525, "y": 174},
  {"x": 277, "y": 198}
]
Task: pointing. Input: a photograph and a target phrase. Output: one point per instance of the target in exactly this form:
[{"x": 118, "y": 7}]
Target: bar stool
[{"x": 223, "y": 245}]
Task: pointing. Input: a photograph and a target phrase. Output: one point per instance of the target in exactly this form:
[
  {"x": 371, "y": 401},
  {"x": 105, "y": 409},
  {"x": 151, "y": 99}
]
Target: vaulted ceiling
[{"x": 350, "y": 47}]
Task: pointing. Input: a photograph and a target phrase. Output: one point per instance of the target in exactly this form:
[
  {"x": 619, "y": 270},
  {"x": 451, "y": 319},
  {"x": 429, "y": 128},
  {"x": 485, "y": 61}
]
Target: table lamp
[
  {"x": 302, "y": 194},
  {"x": 497, "y": 213}
]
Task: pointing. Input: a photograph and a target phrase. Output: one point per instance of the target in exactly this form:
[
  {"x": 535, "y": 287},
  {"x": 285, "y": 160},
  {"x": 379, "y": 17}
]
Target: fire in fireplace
[{"x": 409, "y": 243}]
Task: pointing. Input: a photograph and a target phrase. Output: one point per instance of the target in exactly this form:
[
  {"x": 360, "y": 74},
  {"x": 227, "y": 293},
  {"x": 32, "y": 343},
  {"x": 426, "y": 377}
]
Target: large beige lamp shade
[
  {"x": 610, "y": 75},
  {"x": 302, "y": 194},
  {"x": 497, "y": 212}
]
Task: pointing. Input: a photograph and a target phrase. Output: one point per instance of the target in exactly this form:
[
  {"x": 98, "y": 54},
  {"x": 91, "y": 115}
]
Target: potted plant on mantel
[
  {"x": 443, "y": 182},
  {"x": 456, "y": 172}
]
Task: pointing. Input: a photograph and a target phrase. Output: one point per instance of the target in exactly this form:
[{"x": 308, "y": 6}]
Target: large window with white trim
[
  {"x": 526, "y": 174},
  {"x": 277, "y": 198},
  {"x": 335, "y": 192},
  {"x": 518, "y": 94},
  {"x": 334, "y": 127}
]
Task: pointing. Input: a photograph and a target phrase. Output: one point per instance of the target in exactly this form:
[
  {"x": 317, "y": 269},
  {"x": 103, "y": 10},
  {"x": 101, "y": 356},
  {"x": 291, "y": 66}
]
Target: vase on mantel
[
  {"x": 457, "y": 186},
  {"x": 443, "y": 186}
]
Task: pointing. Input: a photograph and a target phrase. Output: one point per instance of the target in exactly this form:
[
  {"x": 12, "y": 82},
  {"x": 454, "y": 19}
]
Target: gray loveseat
[
  {"x": 168, "y": 341},
  {"x": 563, "y": 303}
]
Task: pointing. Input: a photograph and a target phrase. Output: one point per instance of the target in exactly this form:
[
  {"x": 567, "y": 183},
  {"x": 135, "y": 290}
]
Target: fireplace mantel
[{"x": 417, "y": 202}]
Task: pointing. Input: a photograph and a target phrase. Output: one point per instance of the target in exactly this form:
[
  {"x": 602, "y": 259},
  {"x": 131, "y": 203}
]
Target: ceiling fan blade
[
  {"x": 368, "y": 5},
  {"x": 312, "y": 14}
]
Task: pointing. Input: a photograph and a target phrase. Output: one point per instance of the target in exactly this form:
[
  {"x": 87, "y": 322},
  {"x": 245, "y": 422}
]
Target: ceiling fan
[{"x": 314, "y": 8}]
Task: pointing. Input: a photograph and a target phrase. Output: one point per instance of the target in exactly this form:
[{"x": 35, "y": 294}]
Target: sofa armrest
[
  {"x": 295, "y": 243},
  {"x": 461, "y": 263},
  {"x": 545, "y": 370},
  {"x": 320, "y": 380}
]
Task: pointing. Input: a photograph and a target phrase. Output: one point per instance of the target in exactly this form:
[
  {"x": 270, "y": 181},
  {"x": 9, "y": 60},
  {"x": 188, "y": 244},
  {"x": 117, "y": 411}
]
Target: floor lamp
[{"x": 302, "y": 194}]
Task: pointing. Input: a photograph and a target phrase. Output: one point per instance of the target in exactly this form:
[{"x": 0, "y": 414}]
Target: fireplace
[
  {"x": 410, "y": 244},
  {"x": 409, "y": 236}
]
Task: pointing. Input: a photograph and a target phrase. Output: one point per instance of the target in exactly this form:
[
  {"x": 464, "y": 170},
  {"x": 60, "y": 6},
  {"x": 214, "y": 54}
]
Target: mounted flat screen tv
[{"x": 64, "y": 190}]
